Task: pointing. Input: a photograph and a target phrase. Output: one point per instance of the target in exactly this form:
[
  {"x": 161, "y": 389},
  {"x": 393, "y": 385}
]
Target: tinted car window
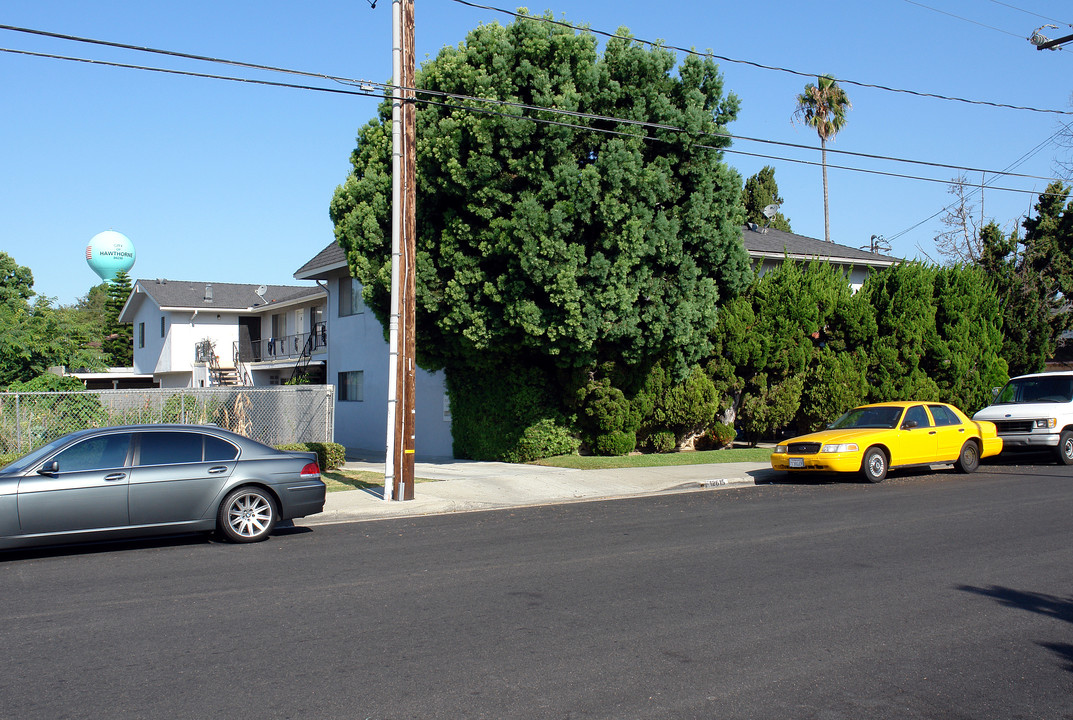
[
  {"x": 217, "y": 449},
  {"x": 943, "y": 415},
  {"x": 96, "y": 453},
  {"x": 917, "y": 413},
  {"x": 164, "y": 448}
]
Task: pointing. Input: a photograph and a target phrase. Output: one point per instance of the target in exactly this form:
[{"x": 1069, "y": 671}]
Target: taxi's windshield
[
  {"x": 1038, "y": 389},
  {"x": 868, "y": 417}
]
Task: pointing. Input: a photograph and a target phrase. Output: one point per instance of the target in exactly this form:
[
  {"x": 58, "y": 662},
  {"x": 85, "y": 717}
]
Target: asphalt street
[{"x": 928, "y": 596}]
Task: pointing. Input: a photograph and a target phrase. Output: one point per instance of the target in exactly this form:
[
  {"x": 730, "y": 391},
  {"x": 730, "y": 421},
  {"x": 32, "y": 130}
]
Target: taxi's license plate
[{"x": 797, "y": 462}]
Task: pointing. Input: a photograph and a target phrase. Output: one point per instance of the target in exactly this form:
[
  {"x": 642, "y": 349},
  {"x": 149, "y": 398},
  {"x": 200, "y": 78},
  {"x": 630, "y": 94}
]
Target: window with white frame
[
  {"x": 349, "y": 297},
  {"x": 352, "y": 386},
  {"x": 141, "y": 335}
]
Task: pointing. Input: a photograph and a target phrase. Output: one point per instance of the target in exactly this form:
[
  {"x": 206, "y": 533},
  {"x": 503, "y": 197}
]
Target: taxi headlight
[
  {"x": 780, "y": 449},
  {"x": 1046, "y": 423},
  {"x": 840, "y": 448}
]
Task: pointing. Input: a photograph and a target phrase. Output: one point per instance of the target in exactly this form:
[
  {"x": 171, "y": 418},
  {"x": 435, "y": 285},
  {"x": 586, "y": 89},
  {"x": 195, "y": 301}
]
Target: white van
[{"x": 1035, "y": 412}]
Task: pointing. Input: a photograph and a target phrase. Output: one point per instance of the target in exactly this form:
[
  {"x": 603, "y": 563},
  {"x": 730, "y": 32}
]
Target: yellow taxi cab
[{"x": 873, "y": 439}]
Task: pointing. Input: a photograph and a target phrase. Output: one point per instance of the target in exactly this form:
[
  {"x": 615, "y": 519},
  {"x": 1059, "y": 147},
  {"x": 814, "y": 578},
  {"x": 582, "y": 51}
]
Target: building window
[
  {"x": 349, "y": 297},
  {"x": 352, "y": 386},
  {"x": 279, "y": 325},
  {"x": 141, "y": 335},
  {"x": 161, "y": 326}
]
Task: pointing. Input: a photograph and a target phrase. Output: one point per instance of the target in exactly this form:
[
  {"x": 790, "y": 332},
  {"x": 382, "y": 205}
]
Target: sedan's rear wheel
[
  {"x": 247, "y": 514},
  {"x": 874, "y": 465},
  {"x": 969, "y": 458}
]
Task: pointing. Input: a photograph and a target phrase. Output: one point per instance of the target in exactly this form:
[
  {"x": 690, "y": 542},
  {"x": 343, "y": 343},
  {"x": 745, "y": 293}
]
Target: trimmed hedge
[{"x": 329, "y": 455}]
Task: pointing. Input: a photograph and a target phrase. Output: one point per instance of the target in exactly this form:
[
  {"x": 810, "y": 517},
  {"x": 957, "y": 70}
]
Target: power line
[
  {"x": 979, "y": 188},
  {"x": 1027, "y": 12},
  {"x": 388, "y": 87},
  {"x": 761, "y": 65},
  {"x": 370, "y": 93},
  {"x": 965, "y": 19}
]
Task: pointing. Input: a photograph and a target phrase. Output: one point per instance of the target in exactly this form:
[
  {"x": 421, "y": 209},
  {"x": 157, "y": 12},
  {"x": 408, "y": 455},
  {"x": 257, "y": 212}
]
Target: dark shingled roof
[
  {"x": 777, "y": 243},
  {"x": 225, "y": 296},
  {"x": 327, "y": 260},
  {"x": 769, "y": 243}
]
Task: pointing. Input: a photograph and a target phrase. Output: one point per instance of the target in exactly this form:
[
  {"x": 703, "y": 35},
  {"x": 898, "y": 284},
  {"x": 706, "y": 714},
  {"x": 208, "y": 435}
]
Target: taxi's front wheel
[{"x": 874, "y": 465}]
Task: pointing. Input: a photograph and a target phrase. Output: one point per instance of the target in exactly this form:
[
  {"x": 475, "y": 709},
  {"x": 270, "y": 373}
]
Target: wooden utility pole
[{"x": 399, "y": 466}]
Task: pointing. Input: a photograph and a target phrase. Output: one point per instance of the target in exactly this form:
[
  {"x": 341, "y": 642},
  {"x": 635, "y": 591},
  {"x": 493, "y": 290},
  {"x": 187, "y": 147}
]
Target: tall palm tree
[{"x": 823, "y": 106}]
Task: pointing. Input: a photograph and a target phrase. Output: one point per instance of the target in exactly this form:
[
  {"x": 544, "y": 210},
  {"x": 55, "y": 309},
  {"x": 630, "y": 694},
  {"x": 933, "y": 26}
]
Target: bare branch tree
[{"x": 960, "y": 241}]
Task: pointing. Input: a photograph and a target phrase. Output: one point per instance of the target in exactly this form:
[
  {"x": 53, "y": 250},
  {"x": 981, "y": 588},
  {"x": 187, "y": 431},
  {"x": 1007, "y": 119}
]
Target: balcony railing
[{"x": 287, "y": 347}]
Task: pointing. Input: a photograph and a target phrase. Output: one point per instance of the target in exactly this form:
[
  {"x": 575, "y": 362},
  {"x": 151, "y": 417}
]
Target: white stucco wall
[{"x": 356, "y": 343}]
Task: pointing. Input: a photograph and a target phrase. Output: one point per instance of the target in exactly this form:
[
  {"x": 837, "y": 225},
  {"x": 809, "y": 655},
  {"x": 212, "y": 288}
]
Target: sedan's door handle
[
  {"x": 218, "y": 469},
  {"x": 961, "y": 430},
  {"x": 932, "y": 432},
  {"x": 114, "y": 477}
]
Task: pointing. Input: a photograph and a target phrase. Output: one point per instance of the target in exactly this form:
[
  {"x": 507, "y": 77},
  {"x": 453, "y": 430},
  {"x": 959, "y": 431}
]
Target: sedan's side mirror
[
  {"x": 52, "y": 468},
  {"x": 909, "y": 424}
]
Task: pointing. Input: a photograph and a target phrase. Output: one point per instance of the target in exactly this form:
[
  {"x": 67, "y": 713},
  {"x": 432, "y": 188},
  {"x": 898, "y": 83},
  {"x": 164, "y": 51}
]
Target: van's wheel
[
  {"x": 969, "y": 459},
  {"x": 1064, "y": 451},
  {"x": 247, "y": 514},
  {"x": 874, "y": 465}
]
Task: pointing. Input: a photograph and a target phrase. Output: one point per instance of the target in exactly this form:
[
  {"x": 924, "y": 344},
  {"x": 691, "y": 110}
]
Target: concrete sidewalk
[{"x": 463, "y": 486}]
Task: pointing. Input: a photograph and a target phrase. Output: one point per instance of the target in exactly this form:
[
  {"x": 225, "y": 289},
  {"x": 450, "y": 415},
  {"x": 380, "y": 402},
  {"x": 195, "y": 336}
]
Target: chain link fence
[{"x": 272, "y": 415}]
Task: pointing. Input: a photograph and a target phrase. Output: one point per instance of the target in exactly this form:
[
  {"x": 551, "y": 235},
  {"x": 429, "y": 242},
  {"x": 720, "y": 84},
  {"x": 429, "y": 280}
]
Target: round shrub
[
  {"x": 545, "y": 438},
  {"x": 719, "y": 435},
  {"x": 616, "y": 442}
]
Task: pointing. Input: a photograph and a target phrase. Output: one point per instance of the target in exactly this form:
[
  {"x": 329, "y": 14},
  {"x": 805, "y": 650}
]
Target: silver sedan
[{"x": 139, "y": 480}]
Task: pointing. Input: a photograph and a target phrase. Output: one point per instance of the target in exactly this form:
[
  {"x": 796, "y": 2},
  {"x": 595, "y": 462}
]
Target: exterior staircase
[{"x": 221, "y": 376}]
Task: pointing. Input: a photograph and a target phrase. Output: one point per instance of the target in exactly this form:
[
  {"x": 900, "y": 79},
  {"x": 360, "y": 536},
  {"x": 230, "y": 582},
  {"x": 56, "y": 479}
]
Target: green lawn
[{"x": 701, "y": 457}]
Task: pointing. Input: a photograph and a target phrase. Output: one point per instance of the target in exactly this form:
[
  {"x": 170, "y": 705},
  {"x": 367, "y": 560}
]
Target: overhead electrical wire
[
  {"x": 980, "y": 188},
  {"x": 1028, "y": 12},
  {"x": 486, "y": 111},
  {"x": 388, "y": 87},
  {"x": 761, "y": 66},
  {"x": 189, "y": 56},
  {"x": 965, "y": 19}
]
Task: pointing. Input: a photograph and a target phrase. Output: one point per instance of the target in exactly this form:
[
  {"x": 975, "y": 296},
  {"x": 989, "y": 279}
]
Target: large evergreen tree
[
  {"x": 549, "y": 243},
  {"x": 556, "y": 242},
  {"x": 119, "y": 341}
]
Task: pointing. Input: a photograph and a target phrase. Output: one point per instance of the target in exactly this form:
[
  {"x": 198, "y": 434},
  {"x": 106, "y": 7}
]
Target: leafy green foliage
[
  {"x": 716, "y": 437},
  {"x": 760, "y": 191},
  {"x": 616, "y": 442},
  {"x": 901, "y": 297},
  {"x": 662, "y": 441},
  {"x": 33, "y": 335},
  {"x": 507, "y": 418},
  {"x": 1033, "y": 280},
  {"x": 833, "y": 384},
  {"x": 329, "y": 455},
  {"x": 553, "y": 247},
  {"x": 966, "y": 361},
  {"x": 557, "y": 242},
  {"x": 119, "y": 342}
]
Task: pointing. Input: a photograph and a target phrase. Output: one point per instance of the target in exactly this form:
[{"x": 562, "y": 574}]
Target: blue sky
[{"x": 227, "y": 182}]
